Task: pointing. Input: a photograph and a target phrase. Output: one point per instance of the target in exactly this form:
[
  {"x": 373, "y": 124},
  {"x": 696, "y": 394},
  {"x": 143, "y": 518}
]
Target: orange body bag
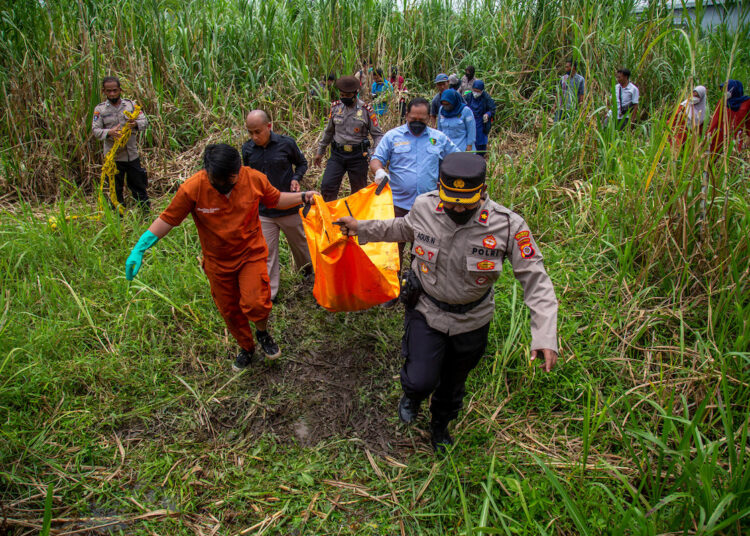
[{"x": 350, "y": 277}]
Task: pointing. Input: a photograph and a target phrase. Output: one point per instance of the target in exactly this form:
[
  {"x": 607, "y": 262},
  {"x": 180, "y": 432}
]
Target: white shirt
[{"x": 626, "y": 97}]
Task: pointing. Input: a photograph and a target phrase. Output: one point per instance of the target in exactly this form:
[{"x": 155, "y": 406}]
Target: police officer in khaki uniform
[
  {"x": 460, "y": 240},
  {"x": 349, "y": 124},
  {"x": 108, "y": 122}
]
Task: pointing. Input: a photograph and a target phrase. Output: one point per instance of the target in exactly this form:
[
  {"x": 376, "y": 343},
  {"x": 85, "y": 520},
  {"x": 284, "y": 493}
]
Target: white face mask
[
  {"x": 695, "y": 100},
  {"x": 476, "y": 94}
]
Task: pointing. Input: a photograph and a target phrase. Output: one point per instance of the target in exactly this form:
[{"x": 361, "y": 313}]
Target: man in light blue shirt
[{"x": 413, "y": 153}]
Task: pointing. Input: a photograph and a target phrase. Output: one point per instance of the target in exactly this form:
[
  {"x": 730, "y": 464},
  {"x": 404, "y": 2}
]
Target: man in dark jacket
[{"x": 279, "y": 158}]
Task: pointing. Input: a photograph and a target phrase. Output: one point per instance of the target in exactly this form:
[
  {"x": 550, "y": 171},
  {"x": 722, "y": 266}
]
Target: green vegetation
[{"x": 117, "y": 404}]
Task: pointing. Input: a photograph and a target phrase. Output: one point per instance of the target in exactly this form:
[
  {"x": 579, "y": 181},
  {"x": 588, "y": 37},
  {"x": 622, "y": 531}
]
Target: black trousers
[
  {"x": 438, "y": 364},
  {"x": 339, "y": 163},
  {"x": 137, "y": 182}
]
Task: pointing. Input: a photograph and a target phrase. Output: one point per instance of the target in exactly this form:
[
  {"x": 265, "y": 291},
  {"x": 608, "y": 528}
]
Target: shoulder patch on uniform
[
  {"x": 523, "y": 239},
  {"x": 368, "y": 108},
  {"x": 489, "y": 242}
]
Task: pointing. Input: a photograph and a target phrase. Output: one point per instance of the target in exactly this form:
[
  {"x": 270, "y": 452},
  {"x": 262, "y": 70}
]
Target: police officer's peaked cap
[
  {"x": 462, "y": 177},
  {"x": 348, "y": 84}
]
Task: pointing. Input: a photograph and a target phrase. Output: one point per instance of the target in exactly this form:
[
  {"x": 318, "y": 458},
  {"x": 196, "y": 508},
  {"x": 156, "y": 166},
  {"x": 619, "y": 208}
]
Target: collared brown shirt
[
  {"x": 350, "y": 125},
  {"x": 457, "y": 264},
  {"x": 107, "y": 116}
]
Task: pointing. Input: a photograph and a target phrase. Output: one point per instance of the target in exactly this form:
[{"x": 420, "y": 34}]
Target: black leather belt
[
  {"x": 458, "y": 308},
  {"x": 348, "y": 149}
]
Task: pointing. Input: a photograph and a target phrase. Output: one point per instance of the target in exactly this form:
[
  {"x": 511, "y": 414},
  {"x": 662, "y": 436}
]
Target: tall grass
[{"x": 197, "y": 67}]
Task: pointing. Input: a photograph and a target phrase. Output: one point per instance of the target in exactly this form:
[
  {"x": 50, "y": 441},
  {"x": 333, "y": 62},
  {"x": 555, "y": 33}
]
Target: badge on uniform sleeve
[
  {"x": 484, "y": 216},
  {"x": 96, "y": 116},
  {"x": 423, "y": 267},
  {"x": 433, "y": 141},
  {"x": 481, "y": 280},
  {"x": 485, "y": 265},
  {"x": 489, "y": 242},
  {"x": 523, "y": 239}
]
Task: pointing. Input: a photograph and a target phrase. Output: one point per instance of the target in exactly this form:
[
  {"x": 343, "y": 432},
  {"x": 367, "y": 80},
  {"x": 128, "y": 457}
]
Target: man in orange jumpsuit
[{"x": 223, "y": 199}]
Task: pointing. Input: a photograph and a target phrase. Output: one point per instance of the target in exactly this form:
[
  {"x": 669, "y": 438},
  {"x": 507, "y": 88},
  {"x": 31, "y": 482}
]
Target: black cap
[
  {"x": 462, "y": 177},
  {"x": 348, "y": 84}
]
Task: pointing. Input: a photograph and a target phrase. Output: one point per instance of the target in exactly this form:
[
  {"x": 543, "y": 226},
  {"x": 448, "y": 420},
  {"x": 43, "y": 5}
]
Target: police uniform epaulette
[
  {"x": 335, "y": 103},
  {"x": 369, "y": 108}
]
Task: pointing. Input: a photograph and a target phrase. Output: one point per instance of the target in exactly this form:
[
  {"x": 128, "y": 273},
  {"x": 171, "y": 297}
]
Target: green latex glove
[{"x": 133, "y": 264}]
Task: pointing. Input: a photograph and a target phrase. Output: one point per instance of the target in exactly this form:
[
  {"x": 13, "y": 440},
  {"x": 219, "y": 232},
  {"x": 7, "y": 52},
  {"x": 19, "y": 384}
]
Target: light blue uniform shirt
[
  {"x": 460, "y": 129},
  {"x": 413, "y": 162}
]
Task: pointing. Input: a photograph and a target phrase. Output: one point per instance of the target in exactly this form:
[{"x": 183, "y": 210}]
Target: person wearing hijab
[
  {"x": 381, "y": 90},
  {"x": 456, "y": 120},
  {"x": 730, "y": 121},
  {"x": 483, "y": 108},
  {"x": 689, "y": 117}
]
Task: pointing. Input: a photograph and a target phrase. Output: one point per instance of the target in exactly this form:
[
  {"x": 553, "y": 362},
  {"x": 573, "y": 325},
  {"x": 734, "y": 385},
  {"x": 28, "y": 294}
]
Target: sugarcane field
[{"x": 377, "y": 267}]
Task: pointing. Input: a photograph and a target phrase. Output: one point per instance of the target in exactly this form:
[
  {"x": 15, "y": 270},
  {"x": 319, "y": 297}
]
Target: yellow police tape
[{"x": 109, "y": 171}]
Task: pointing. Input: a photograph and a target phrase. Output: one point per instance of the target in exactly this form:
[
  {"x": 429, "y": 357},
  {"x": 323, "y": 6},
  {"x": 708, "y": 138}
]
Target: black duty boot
[
  {"x": 408, "y": 409},
  {"x": 439, "y": 437},
  {"x": 243, "y": 360},
  {"x": 270, "y": 348}
]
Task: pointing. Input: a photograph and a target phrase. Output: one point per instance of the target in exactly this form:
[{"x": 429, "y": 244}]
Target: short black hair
[
  {"x": 625, "y": 72},
  {"x": 221, "y": 161},
  {"x": 472, "y": 69},
  {"x": 417, "y": 101},
  {"x": 379, "y": 72},
  {"x": 573, "y": 64},
  {"x": 331, "y": 76},
  {"x": 110, "y": 79}
]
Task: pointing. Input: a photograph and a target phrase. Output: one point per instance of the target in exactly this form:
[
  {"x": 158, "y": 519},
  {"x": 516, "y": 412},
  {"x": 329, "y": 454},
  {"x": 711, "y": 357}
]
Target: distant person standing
[
  {"x": 689, "y": 118},
  {"x": 441, "y": 84},
  {"x": 627, "y": 96},
  {"x": 364, "y": 75},
  {"x": 322, "y": 90},
  {"x": 467, "y": 81},
  {"x": 399, "y": 85},
  {"x": 350, "y": 123},
  {"x": 454, "y": 82},
  {"x": 380, "y": 91},
  {"x": 483, "y": 108},
  {"x": 107, "y": 125},
  {"x": 280, "y": 160},
  {"x": 456, "y": 120},
  {"x": 731, "y": 120},
  {"x": 571, "y": 90}
]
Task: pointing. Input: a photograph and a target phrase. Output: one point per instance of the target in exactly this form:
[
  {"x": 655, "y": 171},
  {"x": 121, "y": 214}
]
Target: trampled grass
[{"x": 118, "y": 411}]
